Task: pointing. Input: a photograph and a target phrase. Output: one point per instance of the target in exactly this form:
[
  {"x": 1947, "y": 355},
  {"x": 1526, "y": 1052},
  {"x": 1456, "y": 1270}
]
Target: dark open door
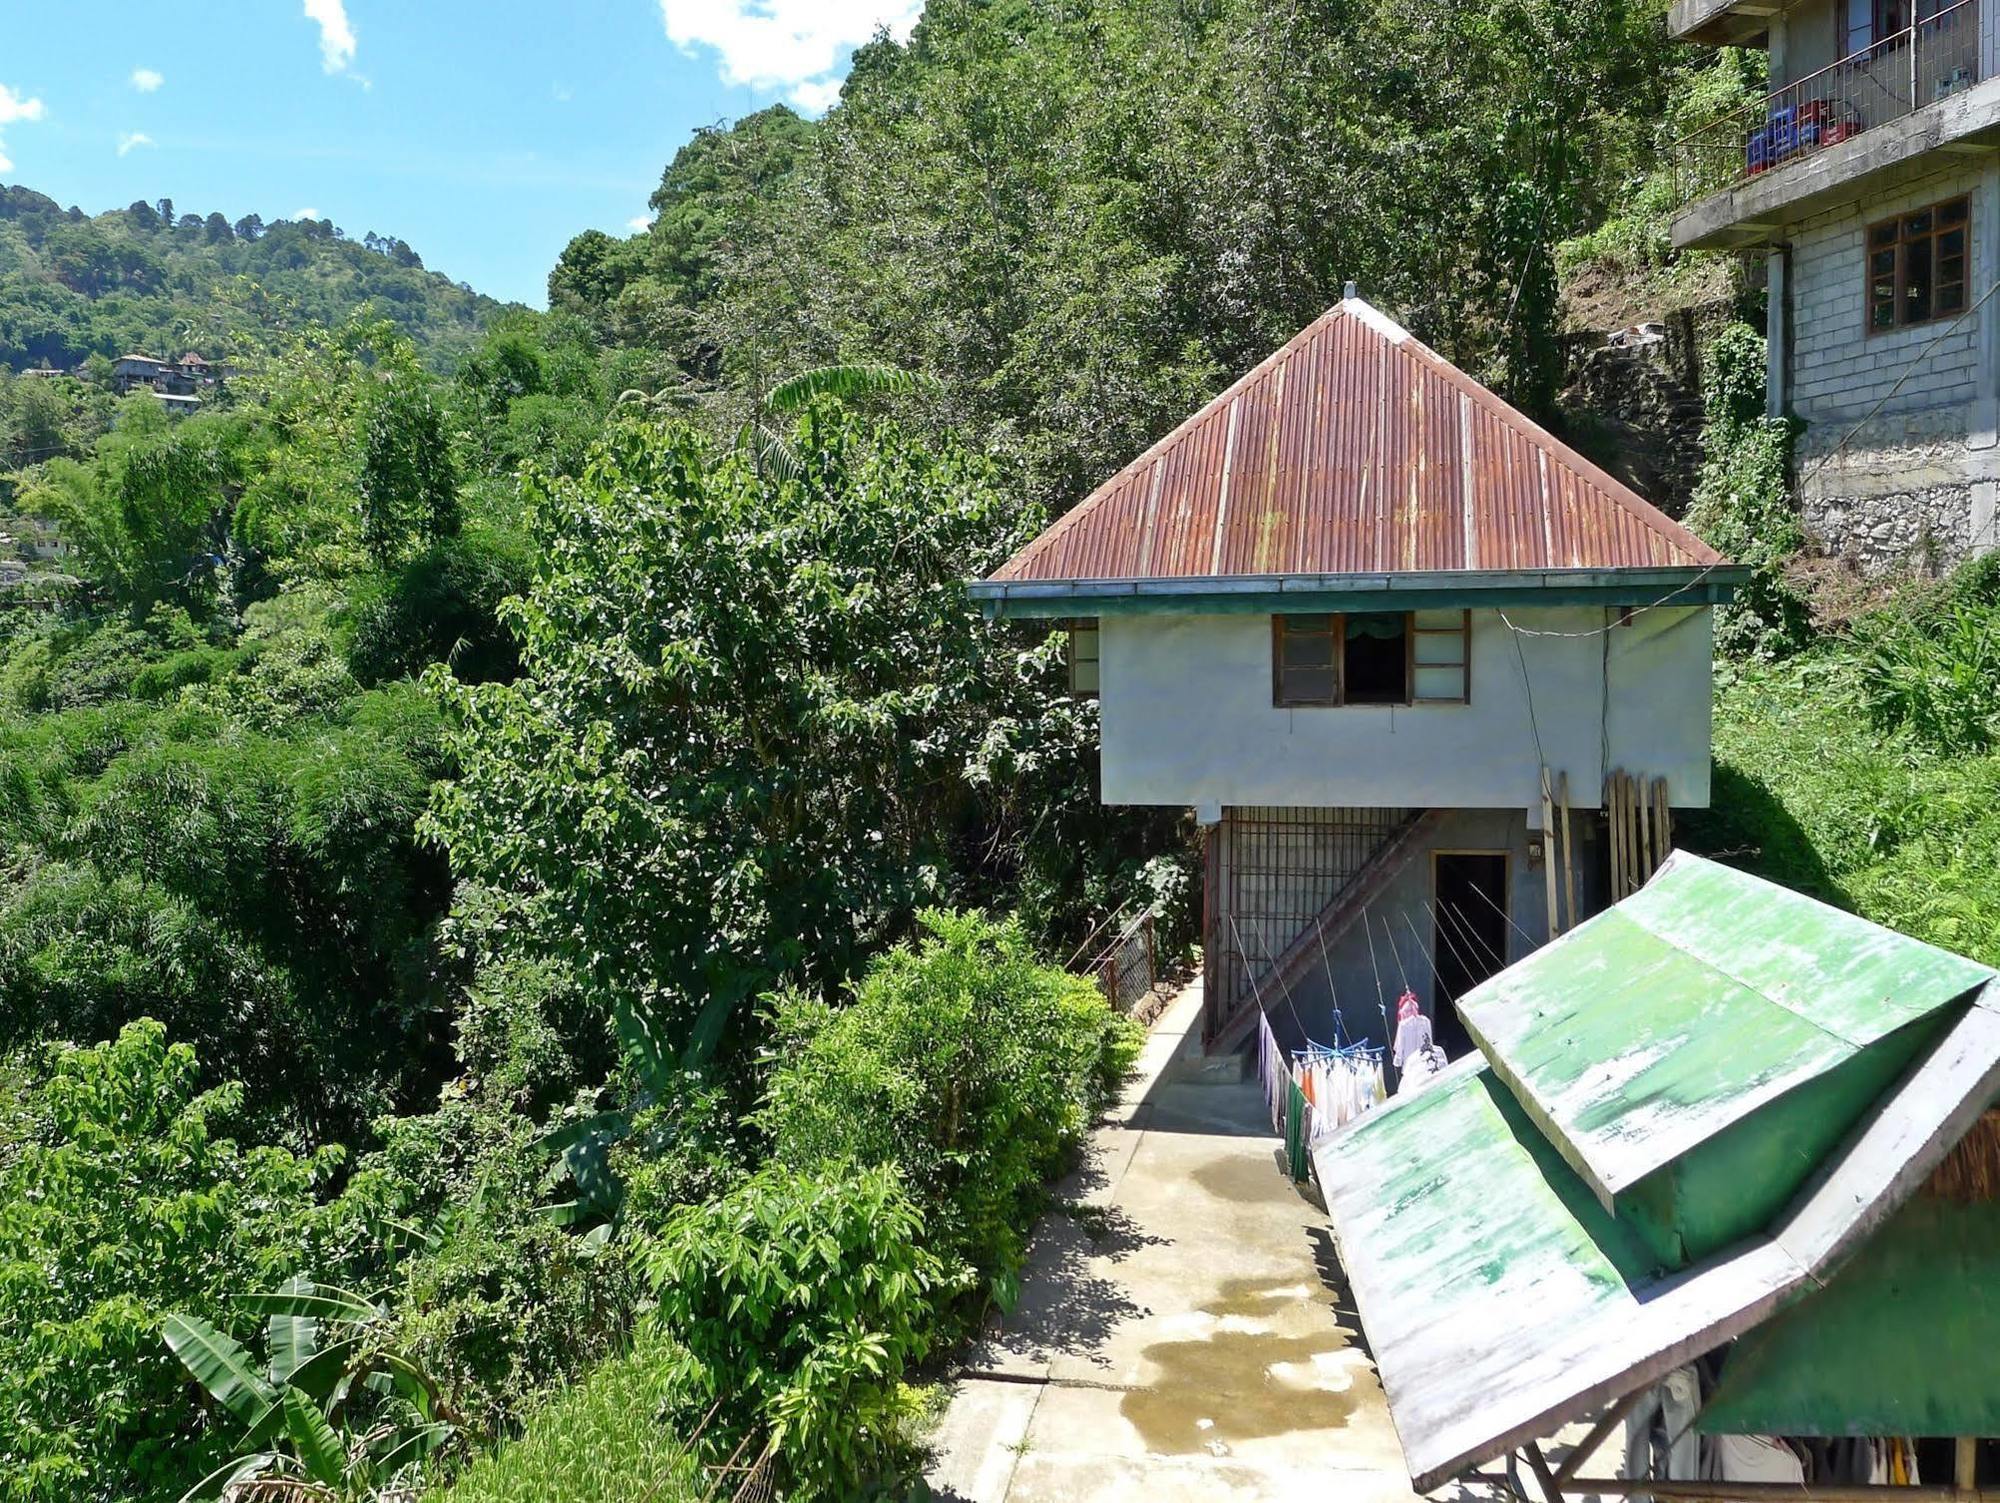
[{"x": 1471, "y": 938}]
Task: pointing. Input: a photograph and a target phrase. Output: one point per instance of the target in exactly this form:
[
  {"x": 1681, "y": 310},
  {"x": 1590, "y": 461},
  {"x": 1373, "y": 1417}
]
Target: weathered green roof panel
[
  {"x": 1904, "y": 1340},
  {"x": 1661, "y": 1023},
  {"x": 1737, "y": 1182}
]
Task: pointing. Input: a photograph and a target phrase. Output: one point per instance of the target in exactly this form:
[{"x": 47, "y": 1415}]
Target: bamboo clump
[{"x": 1641, "y": 822}]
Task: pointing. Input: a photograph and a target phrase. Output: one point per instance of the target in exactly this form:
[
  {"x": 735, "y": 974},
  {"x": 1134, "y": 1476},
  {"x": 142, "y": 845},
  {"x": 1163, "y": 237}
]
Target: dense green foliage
[
  {"x": 1743, "y": 504},
  {"x": 799, "y": 1302},
  {"x": 1862, "y": 770},
  {"x": 964, "y": 1061},
  {"x": 758, "y": 721},
  {"x": 120, "y": 1203},
  {"x": 1085, "y": 217},
  {"x": 603, "y": 1441},
  {"x": 148, "y": 280}
]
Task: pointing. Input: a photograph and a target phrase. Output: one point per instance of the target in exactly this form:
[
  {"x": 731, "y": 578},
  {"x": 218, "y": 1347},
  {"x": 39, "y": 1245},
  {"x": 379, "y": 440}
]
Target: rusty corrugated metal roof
[{"x": 1355, "y": 449}]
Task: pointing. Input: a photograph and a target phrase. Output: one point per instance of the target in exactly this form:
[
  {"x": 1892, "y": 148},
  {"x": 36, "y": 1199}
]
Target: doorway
[{"x": 1470, "y": 943}]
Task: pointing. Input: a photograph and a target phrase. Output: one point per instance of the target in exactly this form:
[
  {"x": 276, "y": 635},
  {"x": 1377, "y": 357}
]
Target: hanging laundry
[{"x": 1758, "y": 1458}]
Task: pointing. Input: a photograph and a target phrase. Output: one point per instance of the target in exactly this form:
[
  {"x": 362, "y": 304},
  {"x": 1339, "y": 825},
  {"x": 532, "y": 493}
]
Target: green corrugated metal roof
[{"x": 1661, "y": 1023}]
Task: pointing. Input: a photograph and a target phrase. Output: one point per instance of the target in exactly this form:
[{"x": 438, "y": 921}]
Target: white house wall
[{"x": 1187, "y": 718}]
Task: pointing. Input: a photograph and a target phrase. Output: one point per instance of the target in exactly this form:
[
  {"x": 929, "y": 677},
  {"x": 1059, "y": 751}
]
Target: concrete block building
[{"x": 1869, "y": 181}]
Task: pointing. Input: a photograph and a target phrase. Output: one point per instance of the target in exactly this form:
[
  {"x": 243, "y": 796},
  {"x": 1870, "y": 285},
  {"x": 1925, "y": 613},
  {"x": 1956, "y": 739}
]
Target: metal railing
[
  {"x": 1127, "y": 968},
  {"x": 1896, "y": 76}
]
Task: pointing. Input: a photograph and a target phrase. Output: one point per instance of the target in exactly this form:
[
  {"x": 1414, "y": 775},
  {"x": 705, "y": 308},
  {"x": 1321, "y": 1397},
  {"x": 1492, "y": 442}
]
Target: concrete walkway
[{"x": 1180, "y": 1333}]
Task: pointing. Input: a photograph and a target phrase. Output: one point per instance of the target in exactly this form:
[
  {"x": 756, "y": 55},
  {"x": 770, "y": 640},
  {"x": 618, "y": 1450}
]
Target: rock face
[{"x": 1633, "y": 401}]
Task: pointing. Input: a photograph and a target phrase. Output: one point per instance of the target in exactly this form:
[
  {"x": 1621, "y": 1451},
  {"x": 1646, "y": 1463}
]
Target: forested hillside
[
  {"x": 527, "y": 891},
  {"x": 1084, "y": 219},
  {"x": 158, "y": 280}
]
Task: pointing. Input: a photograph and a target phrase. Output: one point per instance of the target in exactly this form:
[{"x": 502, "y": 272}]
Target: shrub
[
  {"x": 1938, "y": 677},
  {"x": 799, "y": 1302},
  {"x": 965, "y": 1061},
  {"x": 443, "y": 606},
  {"x": 120, "y": 1202},
  {"x": 606, "y": 1440}
]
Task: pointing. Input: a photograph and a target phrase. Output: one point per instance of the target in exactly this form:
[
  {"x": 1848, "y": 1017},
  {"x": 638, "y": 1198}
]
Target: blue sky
[{"x": 484, "y": 132}]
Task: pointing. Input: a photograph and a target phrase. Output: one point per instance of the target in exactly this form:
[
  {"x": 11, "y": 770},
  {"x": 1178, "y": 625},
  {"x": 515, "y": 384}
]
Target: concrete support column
[
  {"x": 1777, "y": 330},
  {"x": 1982, "y": 438}
]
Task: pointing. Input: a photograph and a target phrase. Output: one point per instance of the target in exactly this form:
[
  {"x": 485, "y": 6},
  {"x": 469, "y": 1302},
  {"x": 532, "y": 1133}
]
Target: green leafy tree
[
  {"x": 797, "y": 1305},
  {"x": 966, "y": 1061},
  {"x": 121, "y": 1200},
  {"x": 737, "y": 748},
  {"x": 409, "y": 482}
]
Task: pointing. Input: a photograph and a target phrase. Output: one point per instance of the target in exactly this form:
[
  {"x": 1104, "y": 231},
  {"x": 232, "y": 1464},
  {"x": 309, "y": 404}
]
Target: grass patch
[{"x": 605, "y": 1440}]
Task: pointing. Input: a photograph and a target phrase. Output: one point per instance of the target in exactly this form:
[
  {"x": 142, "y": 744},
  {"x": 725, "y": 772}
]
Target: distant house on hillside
[
  {"x": 129, "y": 371},
  {"x": 1354, "y": 613},
  {"x": 1868, "y": 182},
  {"x": 183, "y": 380}
]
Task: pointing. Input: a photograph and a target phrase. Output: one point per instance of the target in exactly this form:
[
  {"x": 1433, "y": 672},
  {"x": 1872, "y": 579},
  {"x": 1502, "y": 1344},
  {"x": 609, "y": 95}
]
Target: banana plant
[
  {"x": 772, "y": 452},
  {"x": 301, "y": 1411}
]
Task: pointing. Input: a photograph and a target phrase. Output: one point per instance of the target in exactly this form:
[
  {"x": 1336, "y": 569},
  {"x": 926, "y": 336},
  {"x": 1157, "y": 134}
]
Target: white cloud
[
  {"x": 639, "y": 222},
  {"x": 561, "y": 93},
  {"x": 817, "y": 95},
  {"x": 306, "y": 214},
  {"x": 132, "y": 141},
  {"x": 14, "y": 108},
  {"x": 145, "y": 80},
  {"x": 336, "y": 35},
  {"x": 794, "y": 46}
]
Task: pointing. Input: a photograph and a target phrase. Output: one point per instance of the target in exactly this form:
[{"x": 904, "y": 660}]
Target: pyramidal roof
[{"x": 1355, "y": 450}]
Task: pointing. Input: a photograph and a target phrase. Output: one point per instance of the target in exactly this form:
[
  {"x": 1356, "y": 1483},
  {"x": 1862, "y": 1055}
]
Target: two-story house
[
  {"x": 1868, "y": 180},
  {"x": 1352, "y": 612}
]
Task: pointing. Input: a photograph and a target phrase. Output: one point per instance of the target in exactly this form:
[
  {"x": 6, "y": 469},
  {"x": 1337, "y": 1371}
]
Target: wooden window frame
[
  {"x": 1071, "y": 628},
  {"x": 1898, "y": 248},
  {"x": 1339, "y": 700},
  {"x": 1280, "y": 625},
  {"x": 1464, "y": 664}
]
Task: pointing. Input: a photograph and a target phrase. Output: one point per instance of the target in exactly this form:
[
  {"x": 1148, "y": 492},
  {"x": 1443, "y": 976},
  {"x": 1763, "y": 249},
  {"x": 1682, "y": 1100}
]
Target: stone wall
[{"x": 1905, "y": 492}]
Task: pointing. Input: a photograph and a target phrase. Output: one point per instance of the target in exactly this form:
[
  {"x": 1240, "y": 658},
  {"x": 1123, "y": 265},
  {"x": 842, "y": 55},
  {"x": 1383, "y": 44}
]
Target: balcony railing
[{"x": 1906, "y": 70}]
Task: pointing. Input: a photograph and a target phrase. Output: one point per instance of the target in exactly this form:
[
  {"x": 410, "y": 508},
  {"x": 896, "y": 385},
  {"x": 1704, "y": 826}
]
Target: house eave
[{"x": 1267, "y": 594}]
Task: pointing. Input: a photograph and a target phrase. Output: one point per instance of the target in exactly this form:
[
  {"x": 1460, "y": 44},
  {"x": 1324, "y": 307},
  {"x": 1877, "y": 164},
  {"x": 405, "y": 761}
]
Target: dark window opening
[
  {"x": 1917, "y": 266},
  {"x": 1470, "y": 940},
  {"x": 1375, "y": 659}
]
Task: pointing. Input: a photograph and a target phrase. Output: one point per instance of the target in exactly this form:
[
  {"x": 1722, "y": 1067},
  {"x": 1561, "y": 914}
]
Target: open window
[
  {"x": 1371, "y": 658},
  {"x": 1080, "y": 653}
]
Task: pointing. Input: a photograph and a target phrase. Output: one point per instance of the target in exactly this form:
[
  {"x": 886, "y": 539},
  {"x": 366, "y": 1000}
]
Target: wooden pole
[
  {"x": 1549, "y": 854},
  {"x": 1599, "y": 1433},
  {"x": 1645, "y": 830},
  {"x": 1611, "y": 841},
  {"x": 1666, "y": 822},
  {"x": 1550, "y": 1490},
  {"x": 1965, "y": 1471},
  {"x": 1569, "y": 858}
]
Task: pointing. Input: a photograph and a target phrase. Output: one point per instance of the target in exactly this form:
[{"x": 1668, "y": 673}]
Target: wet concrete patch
[{"x": 1248, "y": 1377}]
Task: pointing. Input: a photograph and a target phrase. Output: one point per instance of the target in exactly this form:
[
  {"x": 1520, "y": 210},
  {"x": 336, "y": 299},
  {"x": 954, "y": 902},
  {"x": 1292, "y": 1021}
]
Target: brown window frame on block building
[{"x": 1922, "y": 238}]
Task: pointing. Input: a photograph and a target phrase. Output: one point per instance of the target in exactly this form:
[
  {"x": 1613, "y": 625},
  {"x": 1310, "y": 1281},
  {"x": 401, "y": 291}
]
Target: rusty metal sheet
[{"x": 1355, "y": 449}]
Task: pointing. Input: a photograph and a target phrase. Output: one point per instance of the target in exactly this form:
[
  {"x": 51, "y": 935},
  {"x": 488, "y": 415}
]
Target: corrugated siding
[{"x": 1355, "y": 449}]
